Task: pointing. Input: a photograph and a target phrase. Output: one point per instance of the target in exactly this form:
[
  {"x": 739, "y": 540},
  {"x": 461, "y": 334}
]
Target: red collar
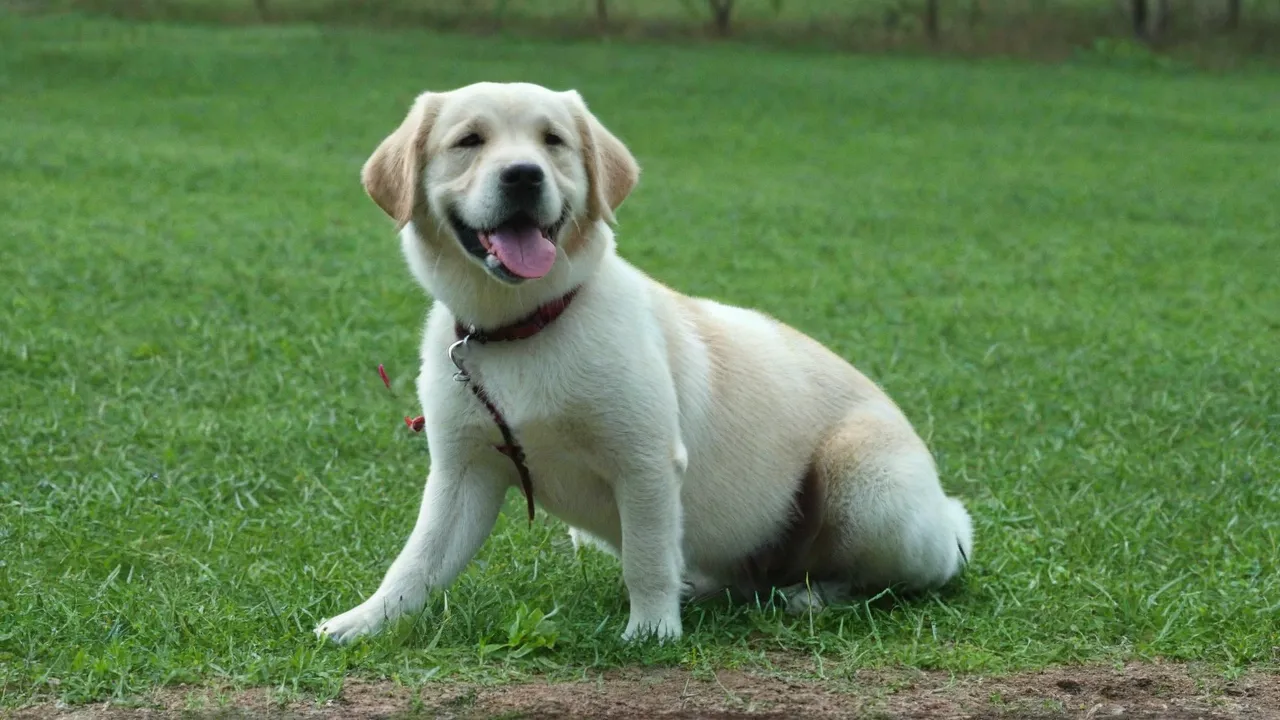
[{"x": 526, "y": 327}]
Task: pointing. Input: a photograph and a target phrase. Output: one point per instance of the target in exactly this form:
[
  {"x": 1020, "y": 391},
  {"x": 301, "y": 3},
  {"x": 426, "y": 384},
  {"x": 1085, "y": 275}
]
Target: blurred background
[{"x": 1213, "y": 31}]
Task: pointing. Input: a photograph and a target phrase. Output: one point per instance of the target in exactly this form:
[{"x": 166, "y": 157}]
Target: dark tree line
[{"x": 1147, "y": 17}]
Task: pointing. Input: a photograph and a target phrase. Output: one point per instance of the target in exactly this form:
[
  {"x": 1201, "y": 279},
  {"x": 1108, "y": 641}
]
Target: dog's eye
[
  {"x": 471, "y": 140},
  {"x": 553, "y": 139}
]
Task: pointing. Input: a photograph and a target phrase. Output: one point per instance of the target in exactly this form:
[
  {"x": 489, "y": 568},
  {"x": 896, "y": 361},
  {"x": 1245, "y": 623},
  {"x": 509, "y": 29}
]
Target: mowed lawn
[{"x": 1068, "y": 276}]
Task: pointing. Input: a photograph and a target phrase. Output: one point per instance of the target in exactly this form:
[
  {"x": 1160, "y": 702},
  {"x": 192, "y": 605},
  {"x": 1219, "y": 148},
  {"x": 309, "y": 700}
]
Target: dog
[{"x": 711, "y": 448}]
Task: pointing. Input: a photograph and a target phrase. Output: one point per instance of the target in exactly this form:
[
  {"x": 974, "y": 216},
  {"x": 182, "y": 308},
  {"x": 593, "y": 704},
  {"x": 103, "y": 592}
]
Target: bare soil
[{"x": 1133, "y": 691}]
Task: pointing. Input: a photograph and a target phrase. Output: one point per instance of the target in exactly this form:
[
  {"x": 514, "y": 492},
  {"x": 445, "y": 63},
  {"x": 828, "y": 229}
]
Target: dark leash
[{"x": 522, "y": 329}]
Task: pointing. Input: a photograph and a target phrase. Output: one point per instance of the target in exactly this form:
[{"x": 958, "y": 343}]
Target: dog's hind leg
[
  {"x": 582, "y": 539},
  {"x": 888, "y": 523},
  {"x": 815, "y": 596}
]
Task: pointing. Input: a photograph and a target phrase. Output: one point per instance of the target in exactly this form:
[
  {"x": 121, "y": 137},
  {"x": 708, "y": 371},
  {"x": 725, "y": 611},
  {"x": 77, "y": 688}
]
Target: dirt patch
[{"x": 1133, "y": 691}]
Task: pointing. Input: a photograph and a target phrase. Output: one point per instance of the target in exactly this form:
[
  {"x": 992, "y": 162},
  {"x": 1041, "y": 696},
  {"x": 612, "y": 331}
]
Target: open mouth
[{"x": 517, "y": 250}]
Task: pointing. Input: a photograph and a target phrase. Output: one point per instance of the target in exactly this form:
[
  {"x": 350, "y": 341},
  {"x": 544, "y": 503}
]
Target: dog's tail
[{"x": 963, "y": 525}]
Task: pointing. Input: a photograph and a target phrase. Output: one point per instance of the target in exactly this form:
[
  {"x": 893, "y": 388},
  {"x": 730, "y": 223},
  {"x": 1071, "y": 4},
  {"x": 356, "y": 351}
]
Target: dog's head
[{"x": 506, "y": 177}]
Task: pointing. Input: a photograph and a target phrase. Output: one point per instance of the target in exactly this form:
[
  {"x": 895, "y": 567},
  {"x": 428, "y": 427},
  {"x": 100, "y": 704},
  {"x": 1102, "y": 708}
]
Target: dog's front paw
[
  {"x": 365, "y": 619},
  {"x": 660, "y": 629}
]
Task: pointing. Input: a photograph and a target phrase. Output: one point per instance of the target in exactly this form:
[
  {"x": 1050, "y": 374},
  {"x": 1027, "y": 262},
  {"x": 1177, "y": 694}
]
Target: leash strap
[
  {"x": 520, "y": 330},
  {"x": 510, "y": 447}
]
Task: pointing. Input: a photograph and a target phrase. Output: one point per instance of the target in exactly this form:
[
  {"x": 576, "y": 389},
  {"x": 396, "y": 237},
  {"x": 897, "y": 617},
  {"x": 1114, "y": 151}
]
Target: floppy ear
[
  {"x": 612, "y": 172},
  {"x": 392, "y": 174}
]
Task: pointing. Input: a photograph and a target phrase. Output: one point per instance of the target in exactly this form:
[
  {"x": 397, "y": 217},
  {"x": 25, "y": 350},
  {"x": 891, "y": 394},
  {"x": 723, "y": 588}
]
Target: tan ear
[
  {"x": 612, "y": 171},
  {"x": 392, "y": 174}
]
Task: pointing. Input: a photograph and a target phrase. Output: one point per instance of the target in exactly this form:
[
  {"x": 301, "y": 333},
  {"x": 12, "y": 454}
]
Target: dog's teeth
[{"x": 492, "y": 262}]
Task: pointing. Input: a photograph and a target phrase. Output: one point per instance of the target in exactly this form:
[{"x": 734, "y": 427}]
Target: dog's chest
[
  {"x": 567, "y": 472},
  {"x": 554, "y": 407},
  {"x": 552, "y": 425}
]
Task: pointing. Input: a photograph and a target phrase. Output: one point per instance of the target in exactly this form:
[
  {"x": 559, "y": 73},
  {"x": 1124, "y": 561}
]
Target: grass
[{"x": 1066, "y": 275}]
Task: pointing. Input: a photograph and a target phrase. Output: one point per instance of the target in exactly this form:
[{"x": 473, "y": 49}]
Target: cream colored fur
[{"x": 671, "y": 430}]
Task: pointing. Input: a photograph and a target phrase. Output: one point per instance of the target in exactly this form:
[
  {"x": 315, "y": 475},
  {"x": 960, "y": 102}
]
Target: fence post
[
  {"x": 931, "y": 20},
  {"x": 1233, "y": 14},
  {"x": 602, "y": 13}
]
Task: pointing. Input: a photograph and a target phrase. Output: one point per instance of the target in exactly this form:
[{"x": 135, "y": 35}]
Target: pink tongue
[{"x": 524, "y": 252}]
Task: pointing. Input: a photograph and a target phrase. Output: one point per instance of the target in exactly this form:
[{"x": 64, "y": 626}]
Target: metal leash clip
[{"x": 461, "y": 375}]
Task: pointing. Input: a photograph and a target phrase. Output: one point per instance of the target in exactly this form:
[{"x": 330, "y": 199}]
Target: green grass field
[{"x": 1068, "y": 276}]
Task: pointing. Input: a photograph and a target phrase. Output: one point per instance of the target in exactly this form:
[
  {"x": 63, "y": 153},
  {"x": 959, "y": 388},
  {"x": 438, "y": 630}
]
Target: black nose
[{"x": 521, "y": 176}]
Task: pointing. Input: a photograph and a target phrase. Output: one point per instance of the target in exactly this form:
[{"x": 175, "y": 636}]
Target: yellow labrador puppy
[{"x": 710, "y": 447}]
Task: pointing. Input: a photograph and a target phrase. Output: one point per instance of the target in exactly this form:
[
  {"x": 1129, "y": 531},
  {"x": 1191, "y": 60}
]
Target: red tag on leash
[{"x": 415, "y": 423}]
